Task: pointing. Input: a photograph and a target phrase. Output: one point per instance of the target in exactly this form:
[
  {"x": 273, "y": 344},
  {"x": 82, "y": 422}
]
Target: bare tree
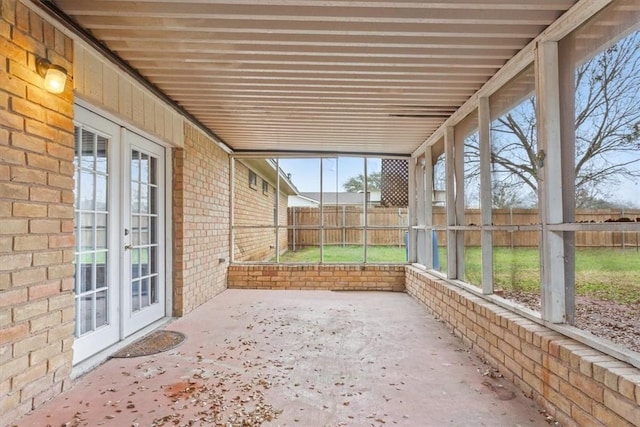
[{"x": 607, "y": 129}]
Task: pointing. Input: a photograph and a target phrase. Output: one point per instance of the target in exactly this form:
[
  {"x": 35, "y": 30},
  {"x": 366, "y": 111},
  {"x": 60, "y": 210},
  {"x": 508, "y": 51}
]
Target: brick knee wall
[
  {"x": 578, "y": 385},
  {"x": 317, "y": 277}
]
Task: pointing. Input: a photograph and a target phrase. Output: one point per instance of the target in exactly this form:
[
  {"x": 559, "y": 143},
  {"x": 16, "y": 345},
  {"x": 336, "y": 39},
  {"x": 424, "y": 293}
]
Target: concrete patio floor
[{"x": 298, "y": 358}]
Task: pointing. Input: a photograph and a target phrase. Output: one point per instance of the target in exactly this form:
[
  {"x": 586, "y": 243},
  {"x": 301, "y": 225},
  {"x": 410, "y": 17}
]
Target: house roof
[
  {"x": 343, "y": 198},
  {"x": 369, "y": 77}
]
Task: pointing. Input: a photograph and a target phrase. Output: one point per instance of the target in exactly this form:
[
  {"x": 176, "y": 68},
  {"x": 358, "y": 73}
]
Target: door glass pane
[
  {"x": 144, "y": 238},
  {"x": 85, "y": 313},
  {"x": 144, "y": 292},
  {"x": 101, "y": 308},
  {"x": 153, "y": 178},
  {"x": 101, "y": 155},
  {"x": 144, "y": 168},
  {"x": 135, "y": 197},
  {"x": 101, "y": 231},
  {"x": 135, "y": 295},
  {"x": 92, "y": 217},
  {"x": 154, "y": 289},
  {"x": 144, "y": 198}
]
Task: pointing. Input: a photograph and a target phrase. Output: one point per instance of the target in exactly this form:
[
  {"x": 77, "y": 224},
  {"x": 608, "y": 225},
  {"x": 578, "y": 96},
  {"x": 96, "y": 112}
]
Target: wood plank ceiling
[{"x": 320, "y": 76}]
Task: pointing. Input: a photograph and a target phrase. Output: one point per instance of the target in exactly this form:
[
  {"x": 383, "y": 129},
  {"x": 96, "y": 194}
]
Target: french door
[
  {"x": 119, "y": 225},
  {"x": 143, "y": 216}
]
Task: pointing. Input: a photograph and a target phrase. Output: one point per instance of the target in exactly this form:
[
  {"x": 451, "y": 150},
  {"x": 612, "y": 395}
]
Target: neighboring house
[
  {"x": 298, "y": 200},
  {"x": 332, "y": 199},
  {"x": 255, "y": 210}
]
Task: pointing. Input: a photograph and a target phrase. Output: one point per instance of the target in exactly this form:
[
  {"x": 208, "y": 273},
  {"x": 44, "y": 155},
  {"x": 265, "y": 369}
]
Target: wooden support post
[
  {"x": 412, "y": 209},
  {"x": 427, "y": 181},
  {"x": 486, "y": 237},
  {"x": 552, "y": 272},
  {"x": 458, "y": 152},
  {"x": 450, "y": 179}
]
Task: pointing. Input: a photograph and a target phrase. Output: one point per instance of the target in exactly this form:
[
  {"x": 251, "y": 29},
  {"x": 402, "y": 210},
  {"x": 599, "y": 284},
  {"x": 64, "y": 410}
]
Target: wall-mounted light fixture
[{"x": 55, "y": 76}]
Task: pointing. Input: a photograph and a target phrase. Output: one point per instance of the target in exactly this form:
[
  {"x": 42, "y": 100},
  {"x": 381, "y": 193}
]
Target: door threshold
[{"x": 99, "y": 358}]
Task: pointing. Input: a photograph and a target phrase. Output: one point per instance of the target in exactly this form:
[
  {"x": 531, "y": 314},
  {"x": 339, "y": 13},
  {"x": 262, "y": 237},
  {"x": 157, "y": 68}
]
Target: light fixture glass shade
[
  {"x": 55, "y": 76},
  {"x": 55, "y": 79}
]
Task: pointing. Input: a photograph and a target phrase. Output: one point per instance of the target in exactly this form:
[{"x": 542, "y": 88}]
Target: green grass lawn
[
  {"x": 347, "y": 253},
  {"x": 602, "y": 273}
]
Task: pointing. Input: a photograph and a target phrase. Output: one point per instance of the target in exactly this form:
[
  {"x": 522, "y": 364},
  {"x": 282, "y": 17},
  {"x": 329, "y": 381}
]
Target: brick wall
[
  {"x": 36, "y": 215},
  {"x": 201, "y": 220},
  {"x": 331, "y": 277},
  {"x": 578, "y": 385},
  {"x": 254, "y": 207}
]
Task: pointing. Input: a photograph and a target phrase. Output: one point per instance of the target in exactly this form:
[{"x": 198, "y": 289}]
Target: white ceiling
[{"x": 321, "y": 76}]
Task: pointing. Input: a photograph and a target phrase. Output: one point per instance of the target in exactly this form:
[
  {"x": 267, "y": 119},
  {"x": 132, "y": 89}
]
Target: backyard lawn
[
  {"x": 602, "y": 273},
  {"x": 347, "y": 253}
]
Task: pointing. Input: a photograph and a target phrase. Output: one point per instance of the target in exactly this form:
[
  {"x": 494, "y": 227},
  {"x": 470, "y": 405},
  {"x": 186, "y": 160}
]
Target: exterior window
[
  {"x": 265, "y": 187},
  {"x": 253, "y": 180}
]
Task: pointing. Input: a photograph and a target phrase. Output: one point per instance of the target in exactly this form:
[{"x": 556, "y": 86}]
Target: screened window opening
[{"x": 323, "y": 210}]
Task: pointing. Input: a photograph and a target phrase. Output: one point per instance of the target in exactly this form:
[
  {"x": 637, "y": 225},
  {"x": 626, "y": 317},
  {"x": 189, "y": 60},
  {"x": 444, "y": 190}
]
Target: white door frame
[
  {"x": 84, "y": 113},
  {"x": 85, "y": 346},
  {"x": 132, "y": 322}
]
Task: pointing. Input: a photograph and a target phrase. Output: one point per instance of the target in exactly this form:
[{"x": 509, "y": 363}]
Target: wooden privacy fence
[{"x": 344, "y": 225}]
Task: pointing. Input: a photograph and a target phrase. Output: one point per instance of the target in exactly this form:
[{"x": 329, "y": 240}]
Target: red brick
[
  {"x": 29, "y": 276},
  {"x": 30, "y": 375},
  {"x": 30, "y": 310},
  {"x": 43, "y": 162},
  {"x": 627, "y": 384},
  {"x": 11, "y": 155},
  {"x": 587, "y": 385},
  {"x": 28, "y": 176},
  {"x": 40, "y": 129},
  {"x": 29, "y": 210},
  {"x": 41, "y": 323},
  {"x": 28, "y": 109},
  {"x": 60, "y": 271},
  {"x": 60, "y": 151},
  {"x": 41, "y": 194},
  {"x": 61, "y": 211},
  {"x": 622, "y": 406},
  {"x": 61, "y": 301},
  {"x": 33, "y": 342},
  {"x": 29, "y": 243},
  {"x": 59, "y": 121},
  {"x": 16, "y": 261},
  {"x": 44, "y": 226},
  {"x": 13, "y": 367},
  {"x": 22, "y": 17},
  {"x": 13, "y": 227},
  {"x": 608, "y": 417},
  {"x": 28, "y": 142},
  {"x": 12, "y": 84},
  {"x": 13, "y": 333},
  {"x": 12, "y": 50},
  {"x": 59, "y": 181},
  {"x": 44, "y": 290},
  {"x": 60, "y": 332},
  {"x": 14, "y": 191},
  {"x": 61, "y": 241},
  {"x": 47, "y": 258},
  {"x": 11, "y": 120}
]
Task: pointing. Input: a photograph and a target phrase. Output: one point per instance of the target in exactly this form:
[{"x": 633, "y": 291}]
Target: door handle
[{"x": 128, "y": 247}]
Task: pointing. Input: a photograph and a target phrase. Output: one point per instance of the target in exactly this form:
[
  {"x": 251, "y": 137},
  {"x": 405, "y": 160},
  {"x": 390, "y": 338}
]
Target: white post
[
  {"x": 552, "y": 272},
  {"x": 450, "y": 174},
  {"x": 486, "y": 237},
  {"x": 426, "y": 179},
  {"x": 412, "y": 211}
]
